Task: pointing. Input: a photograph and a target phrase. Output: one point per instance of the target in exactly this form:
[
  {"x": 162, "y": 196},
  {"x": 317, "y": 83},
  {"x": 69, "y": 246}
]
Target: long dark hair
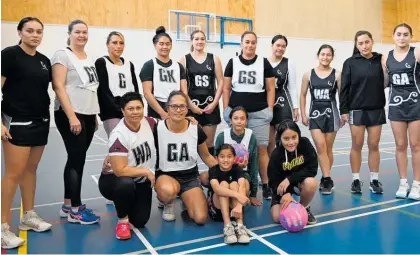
[
  {"x": 360, "y": 33},
  {"x": 176, "y": 93},
  {"x": 25, "y": 20},
  {"x": 404, "y": 25},
  {"x": 226, "y": 146},
  {"x": 285, "y": 125},
  {"x": 326, "y": 46}
]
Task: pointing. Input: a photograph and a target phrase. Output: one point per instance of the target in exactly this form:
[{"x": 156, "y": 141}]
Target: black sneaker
[
  {"x": 311, "y": 218},
  {"x": 321, "y": 183},
  {"x": 267, "y": 193},
  {"x": 376, "y": 187},
  {"x": 356, "y": 187},
  {"x": 327, "y": 186}
]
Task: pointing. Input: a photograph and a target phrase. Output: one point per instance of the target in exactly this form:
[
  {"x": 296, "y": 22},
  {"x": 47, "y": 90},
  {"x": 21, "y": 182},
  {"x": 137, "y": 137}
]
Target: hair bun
[{"x": 160, "y": 30}]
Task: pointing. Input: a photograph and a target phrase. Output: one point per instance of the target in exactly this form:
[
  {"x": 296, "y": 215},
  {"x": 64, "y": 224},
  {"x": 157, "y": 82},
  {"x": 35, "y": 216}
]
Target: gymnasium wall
[{"x": 400, "y": 11}]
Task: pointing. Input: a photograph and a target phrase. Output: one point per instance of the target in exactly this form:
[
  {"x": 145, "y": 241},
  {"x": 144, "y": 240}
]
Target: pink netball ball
[
  {"x": 241, "y": 152},
  {"x": 294, "y": 217}
]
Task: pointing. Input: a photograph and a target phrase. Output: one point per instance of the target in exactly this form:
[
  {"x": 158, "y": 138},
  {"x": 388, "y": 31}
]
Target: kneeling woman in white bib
[
  {"x": 180, "y": 144},
  {"x": 132, "y": 153}
]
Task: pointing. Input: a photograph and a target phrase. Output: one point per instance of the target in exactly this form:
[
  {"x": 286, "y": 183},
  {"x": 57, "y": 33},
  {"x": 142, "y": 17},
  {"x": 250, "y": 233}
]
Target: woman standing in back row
[
  {"x": 362, "y": 102},
  {"x": 286, "y": 103},
  {"x": 203, "y": 69},
  {"x": 75, "y": 83},
  {"x": 401, "y": 68},
  {"x": 161, "y": 75}
]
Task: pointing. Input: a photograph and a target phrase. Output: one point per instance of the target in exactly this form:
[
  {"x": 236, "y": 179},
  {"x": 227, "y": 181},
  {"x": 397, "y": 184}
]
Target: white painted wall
[{"x": 139, "y": 47}]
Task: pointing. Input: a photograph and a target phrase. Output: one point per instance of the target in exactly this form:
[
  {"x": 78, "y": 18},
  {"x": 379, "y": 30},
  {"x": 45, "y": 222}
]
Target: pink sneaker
[{"x": 123, "y": 231}]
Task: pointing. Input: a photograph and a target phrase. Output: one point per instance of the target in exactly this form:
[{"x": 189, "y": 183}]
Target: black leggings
[
  {"x": 76, "y": 147},
  {"x": 131, "y": 199}
]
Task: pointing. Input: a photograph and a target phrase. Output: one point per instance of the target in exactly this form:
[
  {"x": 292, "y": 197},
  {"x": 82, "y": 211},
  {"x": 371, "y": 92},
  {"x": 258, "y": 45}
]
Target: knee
[
  {"x": 321, "y": 148},
  {"x": 357, "y": 145},
  {"x": 415, "y": 146},
  {"x": 373, "y": 146},
  {"x": 275, "y": 215},
  {"x": 234, "y": 186},
  {"x": 125, "y": 185},
  {"x": 262, "y": 151},
  {"x": 166, "y": 193},
  {"x": 139, "y": 222},
  {"x": 200, "y": 218},
  {"x": 401, "y": 146},
  {"x": 310, "y": 184},
  {"x": 224, "y": 184}
]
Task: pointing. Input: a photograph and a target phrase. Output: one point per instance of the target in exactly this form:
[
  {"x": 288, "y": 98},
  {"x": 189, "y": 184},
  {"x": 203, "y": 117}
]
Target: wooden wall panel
[
  {"x": 323, "y": 19},
  {"x": 142, "y": 14}
]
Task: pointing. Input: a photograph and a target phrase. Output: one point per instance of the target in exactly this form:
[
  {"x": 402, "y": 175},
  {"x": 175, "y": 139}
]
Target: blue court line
[
  {"x": 308, "y": 226},
  {"x": 164, "y": 247}
]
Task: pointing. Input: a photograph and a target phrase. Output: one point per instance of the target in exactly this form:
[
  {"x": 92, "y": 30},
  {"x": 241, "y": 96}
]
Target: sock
[
  {"x": 28, "y": 211},
  {"x": 75, "y": 209},
  {"x": 356, "y": 176},
  {"x": 416, "y": 183},
  {"x": 326, "y": 178},
  {"x": 373, "y": 176},
  {"x": 403, "y": 181},
  {"x": 125, "y": 220},
  {"x": 4, "y": 226}
]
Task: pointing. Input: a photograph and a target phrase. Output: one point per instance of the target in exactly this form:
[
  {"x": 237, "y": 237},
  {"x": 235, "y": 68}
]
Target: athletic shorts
[
  {"x": 367, "y": 118},
  {"x": 212, "y": 119},
  {"x": 28, "y": 132},
  {"x": 187, "y": 180},
  {"x": 258, "y": 122}
]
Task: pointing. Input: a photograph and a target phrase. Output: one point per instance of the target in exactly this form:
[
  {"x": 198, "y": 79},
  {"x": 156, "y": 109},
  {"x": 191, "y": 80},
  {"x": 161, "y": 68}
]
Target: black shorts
[
  {"x": 367, "y": 118},
  {"x": 204, "y": 119},
  {"x": 187, "y": 179},
  {"x": 214, "y": 212},
  {"x": 276, "y": 198},
  {"x": 324, "y": 116},
  {"x": 28, "y": 132},
  {"x": 152, "y": 113}
]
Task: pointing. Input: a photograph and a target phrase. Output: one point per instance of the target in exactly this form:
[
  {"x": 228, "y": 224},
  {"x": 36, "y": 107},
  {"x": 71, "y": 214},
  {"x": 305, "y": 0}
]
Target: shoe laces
[
  {"x": 377, "y": 183},
  {"x": 33, "y": 218},
  {"x": 229, "y": 230},
  {"x": 241, "y": 230},
  {"x": 356, "y": 182},
  {"x": 169, "y": 208}
]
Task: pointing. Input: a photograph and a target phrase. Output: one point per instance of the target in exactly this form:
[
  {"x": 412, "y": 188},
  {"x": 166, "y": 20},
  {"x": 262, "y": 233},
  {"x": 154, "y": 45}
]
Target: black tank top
[
  {"x": 201, "y": 76},
  {"x": 323, "y": 90},
  {"x": 281, "y": 72},
  {"x": 402, "y": 74}
]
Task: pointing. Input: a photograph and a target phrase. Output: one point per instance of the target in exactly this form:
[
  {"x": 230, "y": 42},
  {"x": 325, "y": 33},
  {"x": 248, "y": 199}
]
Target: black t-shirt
[
  {"x": 252, "y": 102},
  {"x": 25, "y": 92},
  {"x": 228, "y": 176},
  {"x": 146, "y": 73}
]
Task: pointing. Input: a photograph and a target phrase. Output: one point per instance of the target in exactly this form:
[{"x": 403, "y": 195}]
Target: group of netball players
[{"x": 161, "y": 151}]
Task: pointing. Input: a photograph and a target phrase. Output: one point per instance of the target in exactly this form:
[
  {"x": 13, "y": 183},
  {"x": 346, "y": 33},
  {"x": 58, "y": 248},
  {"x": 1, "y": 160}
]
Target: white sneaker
[
  {"x": 402, "y": 191},
  {"x": 169, "y": 211},
  {"x": 242, "y": 234},
  {"x": 415, "y": 192},
  {"x": 229, "y": 234},
  {"x": 32, "y": 221},
  {"x": 8, "y": 239},
  {"x": 161, "y": 205}
]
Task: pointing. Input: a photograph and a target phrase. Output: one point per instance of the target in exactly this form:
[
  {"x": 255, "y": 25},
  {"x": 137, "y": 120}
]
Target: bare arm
[
  {"x": 270, "y": 88},
  {"x": 219, "y": 77},
  {"x": 303, "y": 93},
  {"x": 227, "y": 87},
  {"x": 385, "y": 70},
  {"x": 205, "y": 155},
  {"x": 151, "y": 100},
  {"x": 120, "y": 166},
  {"x": 59, "y": 75}
]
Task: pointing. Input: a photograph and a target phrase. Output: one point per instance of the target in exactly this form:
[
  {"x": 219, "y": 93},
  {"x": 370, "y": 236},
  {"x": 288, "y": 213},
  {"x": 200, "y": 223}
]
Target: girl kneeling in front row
[
  {"x": 226, "y": 199},
  {"x": 291, "y": 170}
]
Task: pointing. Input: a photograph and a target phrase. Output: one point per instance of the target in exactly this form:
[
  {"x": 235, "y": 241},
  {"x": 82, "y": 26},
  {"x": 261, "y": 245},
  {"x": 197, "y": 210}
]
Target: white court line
[
  {"x": 164, "y": 247},
  {"x": 144, "y": 241},
  {"x": 58, "y": 203},
  {"x": 101, "y": 139},
  {"x": 267, "y": 243},
  {"x": 309, "y": 226},
  {"x": 135, "y": 230}
]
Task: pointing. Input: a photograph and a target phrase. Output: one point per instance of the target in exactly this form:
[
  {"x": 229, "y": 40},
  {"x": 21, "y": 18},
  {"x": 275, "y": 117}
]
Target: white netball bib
[
  {"x": 119, "y": 78},
  {"x": 86, "y": 70},
  {"x": 165, "y": 80},
  {"x": 248, "y": 78},
  {"x": 177, "y": 151}
]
